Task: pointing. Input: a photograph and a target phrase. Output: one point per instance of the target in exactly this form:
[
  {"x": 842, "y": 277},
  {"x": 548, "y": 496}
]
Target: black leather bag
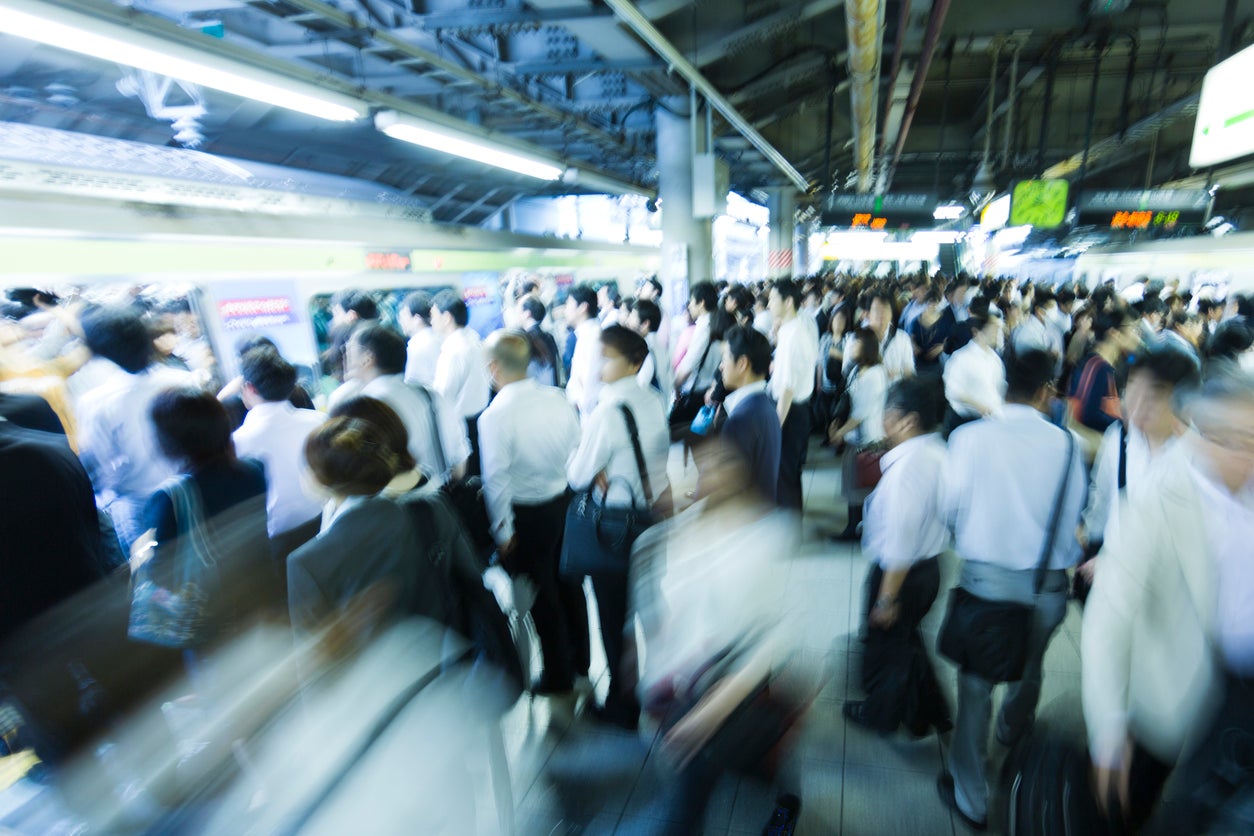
[
  {"x": 598, "y": 537},
  {"x": 990, "y": 638},
  {"x": 688, "y": 402}
]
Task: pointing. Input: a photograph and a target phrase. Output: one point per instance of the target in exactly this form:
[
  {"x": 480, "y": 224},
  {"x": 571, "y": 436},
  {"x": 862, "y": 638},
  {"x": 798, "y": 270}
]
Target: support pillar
[
  {"x": 782, "y": 204},
  {"x": 687, "y": 243}
]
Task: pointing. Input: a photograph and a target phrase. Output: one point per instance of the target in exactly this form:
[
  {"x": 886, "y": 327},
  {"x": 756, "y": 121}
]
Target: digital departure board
[
  {"x": 1162, "y": 210},
  {"x": 879, "y": 213}
]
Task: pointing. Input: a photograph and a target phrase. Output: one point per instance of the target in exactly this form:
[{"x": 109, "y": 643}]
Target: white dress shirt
[
  {"x": 868, "y": 392},
  {"x": 896, "y": 353},
  {"x": 696, "y": 351},
  {"x": 1230, "y": 529},
  {"x": 274, "y": 434},
  {"x": 422, "y": 355},
  {"x": 796, "y": 356},
  {"x": 461, "y": 375},
  {"x": 734, "y": 397},
  {"x": 903, "y": 522},
  {"x": 974, "y": 373},
  {"x": 1101, "y": 518},
  {"x": 526, "y": 437},
  {"x": 606, "y": 444},
  {"x": 1002, "y": 475},
  {"x": 658, "y": 362},
  {"x": 415, "y": 414},
  {"x": 583, "y": 384}
]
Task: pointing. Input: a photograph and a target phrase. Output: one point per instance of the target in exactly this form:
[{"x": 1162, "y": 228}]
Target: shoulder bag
[
  {"x": 690, "y": 401},
  {"x": 990, "y": 638},
  {"x": 169, "y": 596},
  {"x": 598, "y": 537}
]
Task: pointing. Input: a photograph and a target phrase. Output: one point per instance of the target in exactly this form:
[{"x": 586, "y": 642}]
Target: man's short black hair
[
  {"x": 627, "y": 343},
  {"x": 419, "y": 304},
  {"x": 534, "y": 308},
  {"x": 266, "y": 371},
  {"x": 383, "y": 344},
  {"x": 450, "y": 302},
  {"x": 1105, "y": 323},
  {"x": 1245, "y": 305},
  {"x": 357, "y": 301},
  {"x": 742, "y": 296},
  {"x": 252, "y": 342},
  {"x": 1041, "y": 299},
  {"x": 649, "y": 314},
  {"x": 1169, "y": 366},
  {"x": 192, "y": 426},
  {"x": 743, "y": 341},
  {"x": 611, "y": 292},
  {"x": 1230, "y": 340},
  {"x": 653, "y": 281},
  {"x": 1027, "y": 373},
  {"x": 584, "y": 295},
  {"x": 1150, "y": 305},
  {"x": 919, "y": 396},
  {"x": 788, "y": 289},
  {"x": 120, "y": 335},
  {"x": 705, "y": 294}
]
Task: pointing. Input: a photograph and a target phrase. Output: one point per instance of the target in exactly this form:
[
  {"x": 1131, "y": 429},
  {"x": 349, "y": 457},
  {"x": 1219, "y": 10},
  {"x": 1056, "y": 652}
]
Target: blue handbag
[{"x": 705, "y": 422}]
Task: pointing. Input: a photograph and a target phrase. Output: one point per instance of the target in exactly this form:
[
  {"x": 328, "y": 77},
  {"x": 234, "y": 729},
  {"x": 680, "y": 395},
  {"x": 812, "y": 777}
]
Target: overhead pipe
[
  {"x": 1099, "y": 48},
  {"x": 937, "y": 20},
  {"x": 984, "y": 179},
  {"x": 630, "y": 15},
  {"x": 944, "y": 120},
  {"x": 865, "y": 22},
  {"x": 1051, "y": 73},
  {"x": 895, "y": 68},
  {"x": 1009, "y": 117}
]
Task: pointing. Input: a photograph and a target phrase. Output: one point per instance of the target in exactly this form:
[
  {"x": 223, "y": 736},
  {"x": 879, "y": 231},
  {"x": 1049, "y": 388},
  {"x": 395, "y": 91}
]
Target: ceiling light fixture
[
  {"x": 85, "y": 34},
  {"x": 461, "y": 144}
]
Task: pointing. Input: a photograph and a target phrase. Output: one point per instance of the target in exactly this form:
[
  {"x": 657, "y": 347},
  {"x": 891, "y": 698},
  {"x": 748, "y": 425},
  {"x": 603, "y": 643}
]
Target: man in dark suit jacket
[
  {"x": 31, "y": 412},
  {"x": 48, "y": 525},
  {"x": 752, "y": 426}
]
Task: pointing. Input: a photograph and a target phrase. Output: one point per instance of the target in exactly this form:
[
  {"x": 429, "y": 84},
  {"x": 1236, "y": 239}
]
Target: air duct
[{"x": 865, "y": 20}]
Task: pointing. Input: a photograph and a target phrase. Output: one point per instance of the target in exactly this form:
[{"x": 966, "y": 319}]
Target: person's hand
[
  {"x": 1088, "y": 569},
  {"x": 1082, "y": 536},
  {"x": 884, "y": 614},
  {"x": 507, "y": 550},
  {"x": 833, "y": 433},
  {"x": 1113, "y": 784},
  {"x": 602, "y": 481}
]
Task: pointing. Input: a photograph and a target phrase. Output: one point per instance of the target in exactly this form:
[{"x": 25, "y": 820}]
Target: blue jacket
[{"x": 753, "y": 428}]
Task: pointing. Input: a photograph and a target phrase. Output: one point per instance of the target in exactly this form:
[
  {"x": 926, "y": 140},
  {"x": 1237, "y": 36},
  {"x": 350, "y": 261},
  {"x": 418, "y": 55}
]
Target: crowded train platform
[{"x": 626, "y": 417}]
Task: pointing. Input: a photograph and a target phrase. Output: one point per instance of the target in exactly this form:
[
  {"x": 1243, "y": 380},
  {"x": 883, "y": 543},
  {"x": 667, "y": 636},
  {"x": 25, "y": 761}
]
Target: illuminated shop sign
[{"x": 252, "y": 314}]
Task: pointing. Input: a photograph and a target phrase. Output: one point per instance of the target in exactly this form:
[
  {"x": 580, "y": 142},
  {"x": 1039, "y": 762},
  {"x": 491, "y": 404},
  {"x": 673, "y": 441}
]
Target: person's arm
[
  {"x": 593, "y": 454},
  {"x": 689, "y": 365},
  {"x": 307, "y": 604},
  {"x": 452, "y": 435},
  {"x": 496, "y": 458},
  {"x": 1094, "y": 399},
  {"x": 1102, "y": 487}
]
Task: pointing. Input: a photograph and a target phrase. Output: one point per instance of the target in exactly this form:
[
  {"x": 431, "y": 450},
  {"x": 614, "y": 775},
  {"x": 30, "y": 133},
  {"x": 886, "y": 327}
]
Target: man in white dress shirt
[
  {"x": 526, "y": 436},
  {"x": 792, "y": 384},
  {"x": 1002, "y": 479},
  {"x": 607, "y": 459},
  {"x": 1037, "y": 331},
  {"x": 461, "y": 375},
  {"x": 903, "y": 534},
  {"x": 583, "y": 384},
  {"x": 423, "y": 349},
  {"x": 702, "y": 300},
  {"x": 375, "y": 358},
  {"x": 274, "y": 433},
  {"x": 975, "y": 377},
  {"x": 645, "y": 319}
]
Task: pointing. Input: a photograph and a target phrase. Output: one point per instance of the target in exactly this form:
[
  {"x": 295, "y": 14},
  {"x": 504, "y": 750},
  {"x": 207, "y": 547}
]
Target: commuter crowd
[{"x": 1065, "y": 443}]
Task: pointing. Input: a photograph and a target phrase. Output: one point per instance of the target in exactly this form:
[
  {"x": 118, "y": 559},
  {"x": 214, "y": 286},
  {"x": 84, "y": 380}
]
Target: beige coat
[{"x": 1148, "y": 645}]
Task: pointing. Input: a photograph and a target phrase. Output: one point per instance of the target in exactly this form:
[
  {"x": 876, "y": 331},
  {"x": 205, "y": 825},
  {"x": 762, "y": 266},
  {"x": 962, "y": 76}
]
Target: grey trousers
[{"x": 969, "y": 750}]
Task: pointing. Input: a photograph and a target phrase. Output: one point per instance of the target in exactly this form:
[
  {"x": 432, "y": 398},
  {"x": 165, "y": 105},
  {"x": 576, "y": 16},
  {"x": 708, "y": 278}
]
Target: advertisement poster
[
  {"x": 482, "y": 294},
  {"x": 269, "y": 308}
]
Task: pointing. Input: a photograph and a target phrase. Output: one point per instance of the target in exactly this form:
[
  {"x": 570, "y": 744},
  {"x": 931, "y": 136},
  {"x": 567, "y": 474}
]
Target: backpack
[
  {"x": 497, "y": 667},
  {"x": 1049, "y": 788}
]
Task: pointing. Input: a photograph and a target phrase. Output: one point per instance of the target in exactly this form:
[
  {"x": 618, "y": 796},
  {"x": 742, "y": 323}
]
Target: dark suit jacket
[
  {"x": 31, "y": 412},
  {"x": 753, "y": 429},
  {"x": 49, "y": 530}
]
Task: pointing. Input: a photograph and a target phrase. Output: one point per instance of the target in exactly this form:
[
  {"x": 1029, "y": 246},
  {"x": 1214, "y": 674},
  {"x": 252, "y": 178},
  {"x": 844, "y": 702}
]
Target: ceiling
[{"x": 568, "y": 76}]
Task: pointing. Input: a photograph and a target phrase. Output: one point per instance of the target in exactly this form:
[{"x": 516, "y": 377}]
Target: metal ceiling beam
[
  {"x": 581, "y": 66},
  {"x": 770, "y": 26},
  {"x": 1141, "y": 131},
  {"x": 629, "y": 14},
  {"x": 478, "y": 18},
  {"x": 772, "y": 82}
]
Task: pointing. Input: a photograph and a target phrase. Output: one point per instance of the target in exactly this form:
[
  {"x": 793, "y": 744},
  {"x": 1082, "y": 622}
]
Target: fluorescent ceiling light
[
  {"x": 66, "y": 29},
  {"x": 448, "y": 141},
  {"x": 949, "y": 212}
]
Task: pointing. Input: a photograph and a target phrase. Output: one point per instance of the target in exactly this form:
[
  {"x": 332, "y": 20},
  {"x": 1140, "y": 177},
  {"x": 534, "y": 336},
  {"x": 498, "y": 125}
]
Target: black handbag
[
  {"x": 688, "y": 402},
  {"x": 598, "y": 537},
  {"x": 990, "y": 638}
]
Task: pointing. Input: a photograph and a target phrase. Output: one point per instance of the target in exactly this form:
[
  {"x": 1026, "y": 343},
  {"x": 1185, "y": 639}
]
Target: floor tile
[{"x": 890, "y": 802}]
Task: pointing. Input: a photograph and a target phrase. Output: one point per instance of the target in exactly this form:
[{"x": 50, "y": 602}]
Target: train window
[{"x": 388, "y": 302}]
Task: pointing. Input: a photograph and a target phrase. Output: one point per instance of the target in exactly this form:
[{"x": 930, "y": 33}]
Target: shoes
[
  {"x": 855, "y": 711},
  {"x": 850, "y": 534},
  {"x": 783, "y": 820},
  {"x": 617, "y": 718},
  {"x": 945, "y": 787},
  {"x": 544, "y": 687}
]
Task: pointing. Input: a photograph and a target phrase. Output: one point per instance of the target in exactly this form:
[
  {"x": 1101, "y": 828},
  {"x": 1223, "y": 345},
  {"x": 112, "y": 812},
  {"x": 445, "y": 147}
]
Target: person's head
[
  {"x": 1116, "y": 332},
  {"x": 746, "y": 357},
  {"x": 581, "y": 305},
  {"x": 608, "y": 297},
  {"x": 866, "y": 348},
  {"x": 192, "y": 427},
  {"x": 1030, "y": 378},
  {"x": 267, "y": 377},
  {"x": 1152, "y": 311},
  {"x": 1230, "y": 340},
  {"x": 1221, "y": 411},
  {"x": 348, "y": 306},
  {"x": 532, "y": 311},
  {"x": 912, "y": 408},
  {"x": 623, "y": 352},
  {"x": 1187, "y": 325},
  {"x": 739, "y": 301},
  {"x": 645, "y": 317},
  {"x": 702, "y": 299},
  {"x": 415, "y": 312},
  {"x": 1043, "y": 304},
  {"x": 881, "y": 311},
  {"x": 352, "y": 457},
  {"x": 373, "y": 351},
  {"x": 986, "y": 330},
  {"x": 118, "y": 335},
  {"x": 1152, "y": 382},
  {"x": 955, "y": 293},
  {"x": 509, "y": 355},
  {"x": 1066, "y": 300},
  {"x": 390, "y": 426},
  {"x": 785, "y": 298},
  {"x": 839, "y": 322},
  {"x": 932, "y": 299},
  {"x": 650, "y": 289},
  {"x": 164, "y": 338},
  {"x": 448, "y": 312},
  {"x": 252, "y": 342}
]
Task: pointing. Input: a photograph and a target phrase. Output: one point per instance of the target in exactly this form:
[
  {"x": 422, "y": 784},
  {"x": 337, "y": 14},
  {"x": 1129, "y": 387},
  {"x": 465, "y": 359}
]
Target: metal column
[
  {"x": 687, "y": 243},
  {"x": 782, "y": 203}
]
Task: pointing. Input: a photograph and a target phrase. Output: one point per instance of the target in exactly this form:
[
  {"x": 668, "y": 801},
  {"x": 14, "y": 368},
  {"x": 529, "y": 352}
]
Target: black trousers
[
  {"x": 794, "y": 441},
  {"x": 897, "y": 675},
  {"x": 621, "y": 705},
  {"x": 560, "y": 611},
  {"x": 472, "y": 434}
]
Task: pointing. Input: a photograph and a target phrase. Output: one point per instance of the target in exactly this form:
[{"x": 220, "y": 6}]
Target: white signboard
[{"x": 1225, "y": 114}]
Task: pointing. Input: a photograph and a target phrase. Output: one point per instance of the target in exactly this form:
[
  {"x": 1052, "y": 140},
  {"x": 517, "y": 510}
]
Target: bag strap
[
  {"x": 1051, "y": 534},
  {"x": 189, "y": 519},
  {"x": 696, "y": 371},
  {"x": 435, "y": 426},
  {"x": 1123, "y": 456},
  {"x": 635, "y": 446}
]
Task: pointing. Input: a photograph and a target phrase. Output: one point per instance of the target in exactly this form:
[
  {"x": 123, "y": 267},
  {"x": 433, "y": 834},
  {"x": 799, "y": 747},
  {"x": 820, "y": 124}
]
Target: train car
[{"x": 1218, "y": 266}]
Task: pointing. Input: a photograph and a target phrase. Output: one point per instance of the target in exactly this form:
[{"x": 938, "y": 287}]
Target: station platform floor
[{"x": 853, "y": 781}]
